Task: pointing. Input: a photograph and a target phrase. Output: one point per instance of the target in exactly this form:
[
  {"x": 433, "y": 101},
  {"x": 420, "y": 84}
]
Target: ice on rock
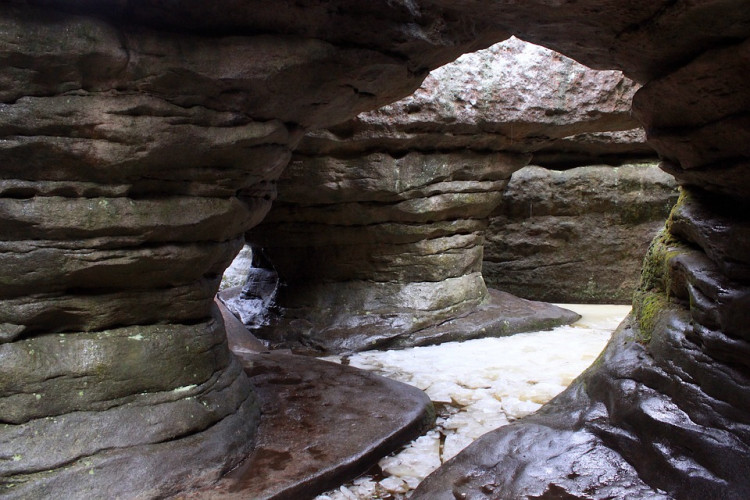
[
  {"x": 515, "y": 408},
  {"x": 477, "y": 386},
  {"x": 454, "y": 443},
  {"x": 540, "y": 393},
  {"x": 394, "y": 484},
  {"x": 440, "y": 391},
  {"x": 417, "y": 461}
]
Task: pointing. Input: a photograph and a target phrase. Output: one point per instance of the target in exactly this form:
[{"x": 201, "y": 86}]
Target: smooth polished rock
[
  {"x": 322, "y": 424},
  {"x": 604, "y": 438}
]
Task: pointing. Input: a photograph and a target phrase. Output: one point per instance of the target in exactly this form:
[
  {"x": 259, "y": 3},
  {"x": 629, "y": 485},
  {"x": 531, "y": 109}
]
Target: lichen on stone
[{"x": 653, "y": 292}]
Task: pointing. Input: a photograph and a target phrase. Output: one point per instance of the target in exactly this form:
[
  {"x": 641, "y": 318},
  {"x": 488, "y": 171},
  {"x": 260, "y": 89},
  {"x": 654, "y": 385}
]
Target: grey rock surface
[
  {"x": 576, "y": 236},
  {"x": 377, "y": 234},
  {"x": 134, "y": 157}
]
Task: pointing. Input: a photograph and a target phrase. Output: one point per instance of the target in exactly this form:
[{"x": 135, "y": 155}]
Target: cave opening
[{"x": 572, "y": 227}]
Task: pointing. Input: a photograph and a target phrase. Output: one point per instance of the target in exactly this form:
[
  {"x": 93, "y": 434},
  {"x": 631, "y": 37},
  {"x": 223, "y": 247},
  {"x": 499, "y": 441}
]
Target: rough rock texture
[
  {"x": 666, "y": 407},
  {"x": 135, "y": 153},
  {"x": 378, "y": 230},
  {"x": 212, "y": 80},
  {"x": 664, "y": 411},
  {"x": 598, "y": 148},
  {"x": 513, "y": 97},
  {"x": 576, "y": 236}
]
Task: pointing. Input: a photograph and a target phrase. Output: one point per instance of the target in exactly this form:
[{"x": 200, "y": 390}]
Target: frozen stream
[{"x": 477, "y": 386}]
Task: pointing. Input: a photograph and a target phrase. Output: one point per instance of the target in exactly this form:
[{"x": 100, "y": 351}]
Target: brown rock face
[
  {"x": 178, "y": 94},
  {"x": 576, "y": 236},
  {"x": 663, "y": 412},
  {"x": 378, "y": 232},
  {"x": 133, "y": 160},
  {"x": 513, "y": 97}
]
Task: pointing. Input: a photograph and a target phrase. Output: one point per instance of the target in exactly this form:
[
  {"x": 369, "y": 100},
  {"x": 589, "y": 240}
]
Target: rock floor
[
  {"x": 321, "y": 423},
  {"x": 477, "y": 386}
]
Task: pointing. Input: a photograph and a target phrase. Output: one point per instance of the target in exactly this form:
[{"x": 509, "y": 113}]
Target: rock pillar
[
  {"x": 133, "y": 157},
  {"x": 378, "y": 232}
]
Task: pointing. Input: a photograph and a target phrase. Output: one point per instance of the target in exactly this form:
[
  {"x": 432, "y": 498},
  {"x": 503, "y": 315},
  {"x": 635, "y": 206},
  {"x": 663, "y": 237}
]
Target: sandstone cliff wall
[{"x": 576, "y": 236}]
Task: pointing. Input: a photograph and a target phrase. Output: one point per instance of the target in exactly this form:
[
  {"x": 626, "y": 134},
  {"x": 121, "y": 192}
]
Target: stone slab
[
  {"x": 501, "y": 315},
  {"x": 322, "y": 424}
]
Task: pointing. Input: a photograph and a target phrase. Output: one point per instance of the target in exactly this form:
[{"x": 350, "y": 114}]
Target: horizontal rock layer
[
  {"x": 364, "y": 258},
  {"x": 576, "y": 236},
  {"x": 133, "y": 160},
  {"x": 513, "y": 96},
  {"x": 378, "y": 231},
  {"x": 315, "y": 65}
]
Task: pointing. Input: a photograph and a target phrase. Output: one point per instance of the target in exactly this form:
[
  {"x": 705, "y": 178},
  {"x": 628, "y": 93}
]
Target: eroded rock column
[
  {"x": 378, "y": 232},
  {"x": 133, "y": 159}
]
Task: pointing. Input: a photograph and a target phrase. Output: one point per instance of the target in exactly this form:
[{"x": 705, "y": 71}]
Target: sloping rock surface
[{"x": 322, "y": 423}]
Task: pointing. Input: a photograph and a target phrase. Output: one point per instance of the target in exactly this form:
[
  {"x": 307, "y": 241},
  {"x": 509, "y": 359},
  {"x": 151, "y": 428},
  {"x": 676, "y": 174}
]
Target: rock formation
[
  {"x": 138, "y": 145},
  {"x": 663, "y": 413},
  {"x": 576, "y": 236},
  {"x": 378, "y": 231},
  {"x": 151, "y": 109}
]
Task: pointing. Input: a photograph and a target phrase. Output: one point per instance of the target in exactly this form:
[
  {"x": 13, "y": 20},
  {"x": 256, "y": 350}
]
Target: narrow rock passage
[{"x": 477, "y": 386}]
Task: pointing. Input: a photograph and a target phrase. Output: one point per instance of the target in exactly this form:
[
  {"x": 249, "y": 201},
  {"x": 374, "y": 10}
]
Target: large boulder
[{"x": 576, "y": 236}]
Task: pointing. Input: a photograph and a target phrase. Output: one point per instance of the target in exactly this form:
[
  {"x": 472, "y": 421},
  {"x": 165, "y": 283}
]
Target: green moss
[
  {"x": 653, "y": 292},
  {"x": 647, "y": 306}
]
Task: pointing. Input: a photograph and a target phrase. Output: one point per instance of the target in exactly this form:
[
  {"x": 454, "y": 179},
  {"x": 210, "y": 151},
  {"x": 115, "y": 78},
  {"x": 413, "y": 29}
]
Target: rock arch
[{"x": 122, "y": 120}]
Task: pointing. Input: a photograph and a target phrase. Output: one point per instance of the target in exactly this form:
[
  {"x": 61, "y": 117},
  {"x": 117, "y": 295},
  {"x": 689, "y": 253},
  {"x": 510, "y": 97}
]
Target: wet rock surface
[
  {"x": 378, "y": 231},
  {"x": 260, "y": 79},
  {"x": 501, "y": 314},
  {"x": 134, "y": 157},
  {"x": 321, "y": 424},
  {"x": 604, "y": 437},
  {"x": 478, "y": 386},
  {"x": 576, "y": 236}
]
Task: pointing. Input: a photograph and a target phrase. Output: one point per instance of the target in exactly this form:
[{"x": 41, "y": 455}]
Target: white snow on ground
[{"x": 477, "y": 386}]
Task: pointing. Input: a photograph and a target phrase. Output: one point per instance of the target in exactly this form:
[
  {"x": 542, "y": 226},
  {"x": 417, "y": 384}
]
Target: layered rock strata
[
  {"x": 377, "y": 235},
  {"x": 576, "y": 236},
  {"x": 676, "y": 412},
  {"x": 664, "y": 412},
  {"x": 134, "y": 157}
]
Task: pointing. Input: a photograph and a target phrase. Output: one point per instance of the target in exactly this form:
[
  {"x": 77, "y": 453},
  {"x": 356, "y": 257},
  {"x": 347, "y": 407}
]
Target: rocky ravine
[
  {"x": 668, "y": 406},
  {"x": 378, "y": 232}
]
